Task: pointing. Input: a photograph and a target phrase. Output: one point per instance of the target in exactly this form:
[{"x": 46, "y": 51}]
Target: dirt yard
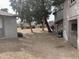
[{"x": 37, "y": 45}]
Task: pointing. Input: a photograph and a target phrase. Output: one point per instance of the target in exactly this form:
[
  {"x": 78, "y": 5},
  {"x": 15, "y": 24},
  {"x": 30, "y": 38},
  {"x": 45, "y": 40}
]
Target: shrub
[{"x": 20, "y": 34}]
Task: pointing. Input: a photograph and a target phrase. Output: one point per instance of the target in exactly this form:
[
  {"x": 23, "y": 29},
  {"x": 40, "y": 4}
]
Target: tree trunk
[
  {"x": 42, "y": 26},
  {"x": 31, "y": 27},
  {"x": 47, "y": 25}
]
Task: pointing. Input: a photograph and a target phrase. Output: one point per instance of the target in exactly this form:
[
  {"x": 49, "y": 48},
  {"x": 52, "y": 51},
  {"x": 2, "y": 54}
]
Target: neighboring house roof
[
  {"x": 58, "y": 15},
  {"x": 2, "y": 13}
]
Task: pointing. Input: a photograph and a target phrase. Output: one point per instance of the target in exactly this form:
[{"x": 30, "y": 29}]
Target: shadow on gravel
[
  {"x": 37, "y": 45},
  {"x": 9, "y": 45}
]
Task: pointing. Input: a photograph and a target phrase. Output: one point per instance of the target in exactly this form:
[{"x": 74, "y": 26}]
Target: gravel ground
[{"x": 37, "y": 45}]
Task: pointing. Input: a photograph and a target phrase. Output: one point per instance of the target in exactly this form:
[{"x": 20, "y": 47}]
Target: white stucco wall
[
  {"x": 10, "y": 27},
  {"x": 1, "y": 27},
  {"x": 78, "y": 32},
  {"x": 1, "y": 24},
  {"x": 71, "y": 12}
]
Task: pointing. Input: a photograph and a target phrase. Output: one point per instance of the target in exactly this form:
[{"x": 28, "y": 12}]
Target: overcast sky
[{"x": 6, "y": 4}]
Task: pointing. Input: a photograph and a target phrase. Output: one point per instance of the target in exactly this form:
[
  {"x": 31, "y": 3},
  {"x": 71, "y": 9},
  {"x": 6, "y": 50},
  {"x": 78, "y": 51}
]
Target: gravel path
[{"x": 38, "y": 45}]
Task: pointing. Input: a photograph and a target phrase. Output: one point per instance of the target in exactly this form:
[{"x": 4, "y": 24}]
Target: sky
[{"x": 6, "y": 4}]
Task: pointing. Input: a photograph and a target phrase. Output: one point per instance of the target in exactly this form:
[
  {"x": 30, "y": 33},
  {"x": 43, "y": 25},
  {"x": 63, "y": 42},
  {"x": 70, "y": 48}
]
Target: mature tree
[
  {"x": 13, "y": 4},
  {"x": 46, "y": 10},
  {"x": 38, "y": 10},
  {"x": 56, "y": 3},
  {"x": 43, "y": 9},
  {"x": 38, "y": 14},
  {"x": 23, "y": 9},
  {"x": 28, "y": 11}
]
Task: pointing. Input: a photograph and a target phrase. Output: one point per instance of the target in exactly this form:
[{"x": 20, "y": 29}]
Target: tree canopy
[
  {"x": 56, "y": 3},
  {"x": 34, "y": 10}
]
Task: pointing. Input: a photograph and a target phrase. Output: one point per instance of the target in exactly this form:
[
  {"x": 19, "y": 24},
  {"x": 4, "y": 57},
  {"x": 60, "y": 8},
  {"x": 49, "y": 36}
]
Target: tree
[
  {"x": 37, "y": 10},
  {"x": 13, "y": 4},
  {"x": 56, "y": 3},
  {"x": 43, "y": 9},
  {"x": 27, "y": 10},
  {"x": 46, "y": 10},
  {"x": 24, "y": 10},
  {"x": 38, "y": 14}
]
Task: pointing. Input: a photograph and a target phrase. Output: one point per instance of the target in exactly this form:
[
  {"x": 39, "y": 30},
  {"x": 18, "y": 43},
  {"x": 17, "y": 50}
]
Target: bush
[{"x": 20, "y": 34}]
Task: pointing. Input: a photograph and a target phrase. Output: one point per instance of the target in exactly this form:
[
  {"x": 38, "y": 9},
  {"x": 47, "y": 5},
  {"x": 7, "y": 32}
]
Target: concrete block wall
[{"x": 10, "y": 27}]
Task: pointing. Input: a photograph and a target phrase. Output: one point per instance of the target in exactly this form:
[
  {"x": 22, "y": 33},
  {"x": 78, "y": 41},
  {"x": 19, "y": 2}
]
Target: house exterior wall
[
  {"x": 58, "y": 15},
  {"x": 78, "y": 32},
  {"x": 58, "y": 25},
  {"x": 1, "y": 27},
  {"x": 10, "y": 27},
  {"x": 71, "y": 12},
  {"x": 1, "y": 23},
  {"x": 73, "y": 33}
]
